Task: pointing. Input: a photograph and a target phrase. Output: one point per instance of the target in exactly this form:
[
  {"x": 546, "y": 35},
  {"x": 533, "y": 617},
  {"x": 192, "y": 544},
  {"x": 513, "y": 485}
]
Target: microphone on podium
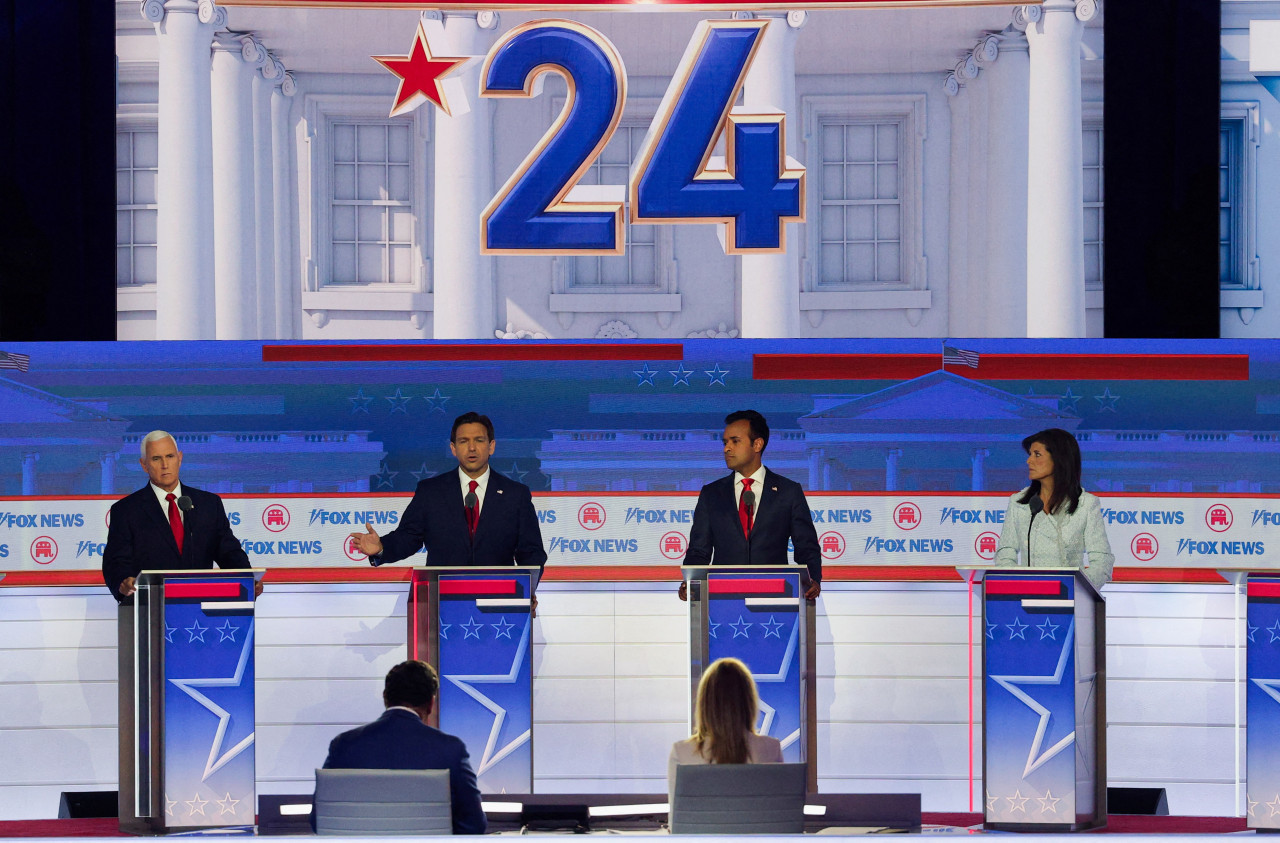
[
  {"x": 185, "y": 504},
  {"x": 1037, "y": 506},
  {"x": 749, "y": 499}
]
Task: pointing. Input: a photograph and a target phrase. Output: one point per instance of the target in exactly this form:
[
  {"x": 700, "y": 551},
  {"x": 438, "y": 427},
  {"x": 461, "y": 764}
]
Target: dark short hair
[
  {"x": 1065, "y": 452},
  {"x": 759, "y": 427},
  {"x": 470, "y": 418},
  {"x": 413, "y": 683}
]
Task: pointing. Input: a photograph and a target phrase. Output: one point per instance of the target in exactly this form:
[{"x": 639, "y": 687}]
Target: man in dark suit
[
  {"x": 748, "y": 517},
  {"x": 165, "y": 525},
  {"x": 401, "y": 740},
  {"x": 472, "y": 516}
]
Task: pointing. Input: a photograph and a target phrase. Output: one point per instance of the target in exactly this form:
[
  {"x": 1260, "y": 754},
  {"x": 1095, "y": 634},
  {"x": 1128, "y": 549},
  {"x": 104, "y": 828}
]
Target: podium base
[{"x": 1046, "y": 828}]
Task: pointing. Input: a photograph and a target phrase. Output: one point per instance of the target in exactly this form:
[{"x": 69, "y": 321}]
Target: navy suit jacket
[
  {"x": 507, "y": 533},
  {"x": 398, "y": 740},
  {"x": 140, "y": 538},
  {"x": 716, "y": 536}
]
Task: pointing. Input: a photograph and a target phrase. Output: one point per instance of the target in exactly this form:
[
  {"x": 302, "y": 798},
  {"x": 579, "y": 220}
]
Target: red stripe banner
[
  {"x": 478, "y": 587},
  {"x": 1264, "y": 589},
  {"x": 717, "y": 585},
  {"x": 471, "y": 352},
  {"x": 1024, "y": 588},
  {"x": 994, "y": 367},
  {"x": 201, "y": 590}
]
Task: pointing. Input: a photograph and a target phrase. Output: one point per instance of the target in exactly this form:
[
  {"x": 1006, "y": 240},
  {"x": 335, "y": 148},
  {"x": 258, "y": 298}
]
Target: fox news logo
[
  {"x": 353, "y": 517},
  {"x": 43, "y": 521},
  {"x": 876, "y": 544},
  {"x": 91, "y": 549},
  {"x": 1265, "y": 518},
  {"x": 955, "y": 515},
  {"x": 658, "y": 516},
  {"x": 1143, "y": 516},
  {"x": 1197, "y": 547}
]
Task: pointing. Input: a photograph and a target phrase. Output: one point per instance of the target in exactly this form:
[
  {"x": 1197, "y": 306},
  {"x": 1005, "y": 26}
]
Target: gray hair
[{"x": 155, "y": 436}]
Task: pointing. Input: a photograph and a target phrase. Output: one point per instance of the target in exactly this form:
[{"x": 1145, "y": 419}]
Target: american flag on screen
[
  {"x": 14, "y": 360},
  {"x": 959, "y": 356}
]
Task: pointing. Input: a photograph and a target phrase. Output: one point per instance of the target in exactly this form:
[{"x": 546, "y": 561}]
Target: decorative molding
[
  {"x": 720, "y": 332},
  {"x": 487, "y": 19},
  {"x": 213, "y": 14},
  {"x": 512, "y": 333},
  {"x": 615, "y": 303},
  {"x": 867, "y": 300},
  {"x": 1025, "y": 16},
  {"x": 152, "y": 11},
  {"x": 616, "y": 329},
  {"x": 983, "y": 53}
]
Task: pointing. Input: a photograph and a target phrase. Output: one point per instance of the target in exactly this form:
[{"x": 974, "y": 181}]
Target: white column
[
  {"x": 817, "y": 458},
  {"x": 184, "y": 226},
  {"x": 891, "y": 469},
  {"x": 107, "y": 482},
  {"x": 771, "y": 283},
  {"x": 465, "y": 305},
  {"x": 977, "y": 462},
  {"x": 285, "y": 307},
  {"x": 235, "y": 241},
  {"x": 29, "y": 484},
  {"x": 264, "y": 194},
  {"x": 1055, "y": 192},
  {"x": 1005, "y": 80}
]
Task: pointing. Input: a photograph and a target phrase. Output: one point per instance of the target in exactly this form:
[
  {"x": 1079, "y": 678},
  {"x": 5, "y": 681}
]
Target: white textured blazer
[
  {"x": 761, "y": 749},
  {"x": 1058, "y": 541}
]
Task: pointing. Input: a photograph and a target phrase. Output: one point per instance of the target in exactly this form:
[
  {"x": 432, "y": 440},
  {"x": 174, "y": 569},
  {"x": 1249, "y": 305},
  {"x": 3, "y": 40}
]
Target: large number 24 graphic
[{"x": 753, "y": 191}]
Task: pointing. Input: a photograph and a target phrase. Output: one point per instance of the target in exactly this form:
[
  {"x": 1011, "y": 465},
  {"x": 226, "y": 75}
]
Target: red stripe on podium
[
  {"x": 501, "y": 587},
  {"x": 471, "y": 352},
  {"x": 201, "y": 590},
  {"x": 1024, "y": 588},
  {"x": 754, "y": 586},
  {"x": 1264, "y": 589}
]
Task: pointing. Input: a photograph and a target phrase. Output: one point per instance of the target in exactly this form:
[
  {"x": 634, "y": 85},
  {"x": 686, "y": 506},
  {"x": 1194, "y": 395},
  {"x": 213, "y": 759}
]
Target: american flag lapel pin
[
  {"x": 773, "y": 488},
  {"x": 499, "y": 491}
]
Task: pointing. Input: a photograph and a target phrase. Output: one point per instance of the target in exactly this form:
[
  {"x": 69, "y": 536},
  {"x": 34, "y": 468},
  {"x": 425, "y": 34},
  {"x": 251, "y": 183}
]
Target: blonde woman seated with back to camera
[{"x": 724, "y": 718}]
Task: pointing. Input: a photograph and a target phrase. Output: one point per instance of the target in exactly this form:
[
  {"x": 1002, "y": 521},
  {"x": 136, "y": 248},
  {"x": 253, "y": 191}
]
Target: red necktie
[
  {"x": 743, "y": 514},
  {"x": 473, "y": 517},
  {"x": 175, "y": 520}
]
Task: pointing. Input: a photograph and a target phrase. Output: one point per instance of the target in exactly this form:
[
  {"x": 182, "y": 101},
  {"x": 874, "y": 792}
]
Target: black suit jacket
[
  {"x": 507, "y": 533},
  {"x": 716, "y": 536},
  {"x": 398, "y": 740},
  {"x": 140, "y": 537}
]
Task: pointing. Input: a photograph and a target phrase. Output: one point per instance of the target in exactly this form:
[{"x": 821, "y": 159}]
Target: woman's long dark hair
[{"x": 1065, "y": 452}]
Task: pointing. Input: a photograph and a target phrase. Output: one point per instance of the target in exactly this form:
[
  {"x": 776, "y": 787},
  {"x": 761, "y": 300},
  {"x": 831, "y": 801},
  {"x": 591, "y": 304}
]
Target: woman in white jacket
[{"x": 1061, "y": 521}]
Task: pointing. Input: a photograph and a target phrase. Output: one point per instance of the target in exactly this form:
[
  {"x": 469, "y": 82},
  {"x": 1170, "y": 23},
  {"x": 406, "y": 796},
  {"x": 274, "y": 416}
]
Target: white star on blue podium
[
  {"x": 681, "y": 375},
  {"x": 1010, "y": 683},
  {"x": 196, "y": 806},
  {"x": 227, "y": 631},
  {"x": 196, "y": 631},
  {"x": 1049, "y": 802},
  {"x": 1274, "y": 629},
  {"x": 740, "y": 627},
  {"x": 188, "y": 687},
  {"x": 228, "y": 805},
  {"x": 1048, "y": 630},
  {"x": 645, "y": 375},
  {"x": 773, "y": 628},
  {"x": 1269, "y": 687},
  {"x": 1017, "y": 629},
  {"x": 471, "y": 629},
  {"x": 712, "y": 626},
  {"x": 717, "y": 375},
  {"x": 1017, "y": 802},
  {"x": 444, "y": 631},
  {"x": 360, "y": 403},
  {"x": 1252, "y": 630},
  {"x": 492, "y": 752},
  {"x": 502, "y": 629},
  {"x": 991, "y": 630},
  {"x": 168, "y": 632}
]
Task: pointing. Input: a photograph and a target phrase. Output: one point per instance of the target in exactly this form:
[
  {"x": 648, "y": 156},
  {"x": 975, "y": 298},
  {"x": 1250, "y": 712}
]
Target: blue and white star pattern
[{"x": 1262, "y": 701}]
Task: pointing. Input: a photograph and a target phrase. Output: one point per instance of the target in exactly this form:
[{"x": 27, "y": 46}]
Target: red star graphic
[{"x": 420, "y": 73}]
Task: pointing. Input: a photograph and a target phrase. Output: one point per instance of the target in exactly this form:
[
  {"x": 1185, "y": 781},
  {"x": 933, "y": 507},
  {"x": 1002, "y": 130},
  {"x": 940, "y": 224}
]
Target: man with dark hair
[
  {"x": 748, "y": 517},
  {"x": 474, "y": 516},
  {"x": 401, "y": 740}
]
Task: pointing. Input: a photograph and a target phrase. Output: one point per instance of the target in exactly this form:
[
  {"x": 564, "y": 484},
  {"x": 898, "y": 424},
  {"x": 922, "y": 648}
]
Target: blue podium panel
[
  {"x": 486, "y": 677},
  {"x": 1262, "y": 702},
  {"x": 1041, "y": 699},
  {"x": 209, "y": 702},
  {"x": 757, "y": 618}
]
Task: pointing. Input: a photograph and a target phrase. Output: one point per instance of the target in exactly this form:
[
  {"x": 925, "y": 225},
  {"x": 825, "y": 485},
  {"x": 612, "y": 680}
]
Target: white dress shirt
[
  {"x": 482, "y": 483},
  {"x": 162, "y": 495}
]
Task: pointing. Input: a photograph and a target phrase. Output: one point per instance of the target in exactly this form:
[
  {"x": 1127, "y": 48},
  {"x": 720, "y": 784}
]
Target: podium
[
  {"x": 758, "y": 614},
  {"x": 1043, "y": 700},
  {"x": 475, "y": 625},
  {"x": 1262, "y": 695},
  {"x": 186, "y": 675}
]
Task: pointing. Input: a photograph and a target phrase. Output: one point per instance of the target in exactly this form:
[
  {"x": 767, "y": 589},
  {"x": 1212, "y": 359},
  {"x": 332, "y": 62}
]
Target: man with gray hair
[{"x": 165, "y": 525}]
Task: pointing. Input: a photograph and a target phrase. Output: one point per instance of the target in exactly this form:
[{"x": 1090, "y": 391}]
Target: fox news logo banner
[{"x": 653, "y": 529}]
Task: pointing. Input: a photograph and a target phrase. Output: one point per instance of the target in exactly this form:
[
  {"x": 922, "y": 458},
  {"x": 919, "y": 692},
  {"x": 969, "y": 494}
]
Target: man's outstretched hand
[{"x": 367, "y": 542}]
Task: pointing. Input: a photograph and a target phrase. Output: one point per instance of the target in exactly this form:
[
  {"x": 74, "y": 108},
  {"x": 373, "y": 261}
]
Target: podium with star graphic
[
  {"x": 186, "y": 676},
  {"x": 1262, "y": 700},
  {"x": 758, "y": 614},
  {"x": 1044, "y": 693},
  {"x": 475, "y": 625}
]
